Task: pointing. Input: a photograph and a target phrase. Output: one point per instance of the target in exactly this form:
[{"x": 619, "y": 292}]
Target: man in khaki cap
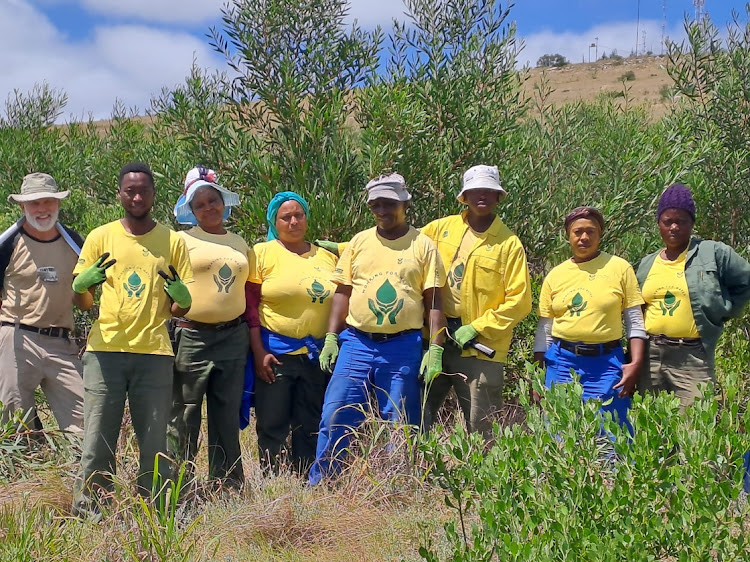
[{"x": 37, "y": 257}]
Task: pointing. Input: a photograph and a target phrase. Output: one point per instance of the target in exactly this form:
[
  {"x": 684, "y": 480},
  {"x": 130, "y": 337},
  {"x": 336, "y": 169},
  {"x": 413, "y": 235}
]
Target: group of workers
[{"x": 331, "y": 338}]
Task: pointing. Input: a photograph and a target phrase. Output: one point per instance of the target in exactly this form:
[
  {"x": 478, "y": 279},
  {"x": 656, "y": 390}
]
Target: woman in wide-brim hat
[{"x": 212, "y": 341}]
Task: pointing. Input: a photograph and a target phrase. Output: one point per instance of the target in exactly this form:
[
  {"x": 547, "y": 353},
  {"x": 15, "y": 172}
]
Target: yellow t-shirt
[
  {"x": 134, "y": 308},
  {"x": 452, "y": 289},
  {"x": 220, "y": 270},
  {"x": 296, "y": 290},
  {"x": 665, "y": 291},
  {"x": 586, "y": 300},
  {"x": 388, "y": 278}
]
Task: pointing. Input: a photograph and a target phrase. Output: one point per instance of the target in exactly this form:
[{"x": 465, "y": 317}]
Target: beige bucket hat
[{"x": 38, "y": 186}]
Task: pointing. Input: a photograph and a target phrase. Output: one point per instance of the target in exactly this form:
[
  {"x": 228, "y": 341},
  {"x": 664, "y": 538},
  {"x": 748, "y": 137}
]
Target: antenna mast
[
  {"x": 663, "y": 23},
  {"x": 699, "y": 9}
]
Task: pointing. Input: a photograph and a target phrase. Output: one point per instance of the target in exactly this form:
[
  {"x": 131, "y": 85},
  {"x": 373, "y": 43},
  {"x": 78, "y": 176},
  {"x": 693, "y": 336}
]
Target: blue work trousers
[
  {"x": 390, "y": 369},
  {"x": 598, "y": 375}
]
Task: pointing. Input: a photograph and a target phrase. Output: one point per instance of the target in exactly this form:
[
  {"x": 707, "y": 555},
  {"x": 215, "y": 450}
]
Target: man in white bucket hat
[
  {"x": 37, "y": 256},
  {"x": 488, "y": 292}
]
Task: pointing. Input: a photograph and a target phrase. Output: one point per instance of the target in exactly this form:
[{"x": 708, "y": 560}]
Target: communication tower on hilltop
[
  {"x": 699, "y": 9},
  {"x": 663, "y": 23}
]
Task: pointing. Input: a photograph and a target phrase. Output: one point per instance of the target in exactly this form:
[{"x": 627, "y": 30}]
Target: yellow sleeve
[
  {"x": 630, "y": 289},
  {"x": 434, "y": 276},
  {"x": 254, "y": 259},
  {"x": 342, "y": 247},
  {"x": 430, "y": 229},
  {"x": 89, "y": 253},
  {"x": 494, "y": 322},
  {"x": 545, "y": 300},
  {"x": 180, "y": 259},
  {"x": 342, "y": 275}
]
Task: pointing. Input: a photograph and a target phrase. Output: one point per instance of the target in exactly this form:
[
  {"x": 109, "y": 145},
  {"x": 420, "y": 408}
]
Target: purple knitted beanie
[{"x": 676, "y": 196}]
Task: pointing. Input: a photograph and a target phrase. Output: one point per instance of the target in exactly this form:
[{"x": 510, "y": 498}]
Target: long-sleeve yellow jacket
[{"x": 496, "y": 289}]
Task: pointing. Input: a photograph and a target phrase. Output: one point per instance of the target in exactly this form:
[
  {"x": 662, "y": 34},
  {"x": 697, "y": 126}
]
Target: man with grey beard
[{"x": 37, "y": 257}]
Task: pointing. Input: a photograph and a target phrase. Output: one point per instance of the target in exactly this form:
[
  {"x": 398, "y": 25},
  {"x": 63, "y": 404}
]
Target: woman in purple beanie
[{"x": 691, "y": 287}]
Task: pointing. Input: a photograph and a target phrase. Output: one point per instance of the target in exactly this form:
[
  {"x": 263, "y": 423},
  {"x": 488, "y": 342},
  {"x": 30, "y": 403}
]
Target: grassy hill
[{"x": 649, "y": 84}]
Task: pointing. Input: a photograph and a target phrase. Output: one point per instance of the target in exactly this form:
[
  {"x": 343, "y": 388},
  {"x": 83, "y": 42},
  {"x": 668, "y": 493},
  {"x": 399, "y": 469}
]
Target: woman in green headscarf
[{"x": 291, "y": 284}]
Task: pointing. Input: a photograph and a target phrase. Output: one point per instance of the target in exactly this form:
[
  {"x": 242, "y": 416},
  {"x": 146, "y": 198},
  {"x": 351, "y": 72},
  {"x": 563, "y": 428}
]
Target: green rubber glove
[
  {"x": 332, "y": 247},
  {"x": 176, "y": 289},
  {"x": 432, "y": 363},
  {"x": 464, "y": 335},
  {"x": 92, "y": 275},
  {"x": 329, "y": 353}
]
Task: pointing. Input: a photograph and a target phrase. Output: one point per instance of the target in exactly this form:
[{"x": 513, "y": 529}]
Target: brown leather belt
[
  {"x": 55, "y": 332},
  {"x": 193, "y": 325},
  {"x": 661, "y": 339}
]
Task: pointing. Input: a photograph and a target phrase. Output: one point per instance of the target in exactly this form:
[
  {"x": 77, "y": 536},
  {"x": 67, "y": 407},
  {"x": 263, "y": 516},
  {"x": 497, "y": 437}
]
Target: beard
[{"x": 43, "y": 225}]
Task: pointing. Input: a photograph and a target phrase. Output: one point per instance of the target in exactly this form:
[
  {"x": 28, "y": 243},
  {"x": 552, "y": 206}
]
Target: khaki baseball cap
[{"x": 38, "y": 186}]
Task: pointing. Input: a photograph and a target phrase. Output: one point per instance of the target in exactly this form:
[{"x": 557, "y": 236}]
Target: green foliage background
[{"x": 310, "y": 105}]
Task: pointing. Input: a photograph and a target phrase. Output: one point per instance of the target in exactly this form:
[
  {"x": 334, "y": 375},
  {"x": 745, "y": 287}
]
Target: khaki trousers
[
  {"x": 681, "y": 369},
  {"x": 480, "y": 396},
  {"x": 29, "y": 360}
]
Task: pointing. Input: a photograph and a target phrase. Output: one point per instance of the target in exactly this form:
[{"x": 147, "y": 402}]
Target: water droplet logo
[
  {"x": 134, "y": 287},
  {"x": 386, "y": 303},
  {"x": 669, "y": 304},
  {"x": 577, "y": 305},
  {"x": 224, "y": 279},
  {"x": 318, "y": 292},
  {"x": 456, "y": 276}
]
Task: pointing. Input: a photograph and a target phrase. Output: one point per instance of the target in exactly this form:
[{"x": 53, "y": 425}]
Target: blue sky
[{"x": 100, "y": 50}]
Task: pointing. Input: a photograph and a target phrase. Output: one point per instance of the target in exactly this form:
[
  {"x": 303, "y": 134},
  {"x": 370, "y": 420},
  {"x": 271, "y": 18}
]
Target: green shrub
[
  {"x": 629, "y": 76},
  {"x": 557, "y": 490}
]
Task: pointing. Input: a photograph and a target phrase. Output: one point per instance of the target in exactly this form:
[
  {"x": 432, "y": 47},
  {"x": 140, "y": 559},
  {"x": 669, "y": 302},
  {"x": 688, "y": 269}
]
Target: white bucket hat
[
  {"x": 196, "y": 178},
  {"x": 482, "y": 177},
  {"x": 388, "y": 186}
]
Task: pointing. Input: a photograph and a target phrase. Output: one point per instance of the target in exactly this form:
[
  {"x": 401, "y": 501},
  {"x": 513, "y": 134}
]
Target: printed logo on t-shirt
[
  {"x": 47, "y": 274},
  {"x": 224, "y": 280},
  {"x": 134, "y": 286},
  {"x": 577, "y": 305},
  {"x": 456, "y": 276},
  {"x": 669, "y": 304},
  {"x": 386, "y": 303},
  {"x": 318, "y": 292}
]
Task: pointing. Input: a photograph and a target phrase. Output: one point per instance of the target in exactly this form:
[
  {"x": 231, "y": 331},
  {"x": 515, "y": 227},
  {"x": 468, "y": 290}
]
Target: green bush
[
  {"x": 558, "y": 490},
  {"x": 629, "y": 76}
]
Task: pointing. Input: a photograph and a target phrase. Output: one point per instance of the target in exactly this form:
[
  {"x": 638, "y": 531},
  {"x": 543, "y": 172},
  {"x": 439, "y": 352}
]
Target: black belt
[
  {"x": 379, "y": 337},
  {"x": 661, "y": 339},
  {"x": 589, "y": 349},
  {"x": 193, "y": 325},
  {"x": 54, "y": 332}
]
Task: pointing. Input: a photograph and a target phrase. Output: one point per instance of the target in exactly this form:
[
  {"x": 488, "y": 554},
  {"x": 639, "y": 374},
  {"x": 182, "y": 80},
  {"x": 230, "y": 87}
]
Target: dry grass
[{"x": 379, "y": 510}]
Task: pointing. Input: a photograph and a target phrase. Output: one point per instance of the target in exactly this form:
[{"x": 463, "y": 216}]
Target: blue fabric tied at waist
[
  {"x": 281, "y": 345},
  {"x": 278, "y": 345}
]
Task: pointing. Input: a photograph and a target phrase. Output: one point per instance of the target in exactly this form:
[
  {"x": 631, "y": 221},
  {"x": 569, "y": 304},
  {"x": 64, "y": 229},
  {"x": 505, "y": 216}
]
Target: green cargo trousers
[
  {"x": 108, "y": 379},
  {"x": 211, "y": 364},
  {"x": 293, "y": 402},
  {"x": 480, "y": 396}
]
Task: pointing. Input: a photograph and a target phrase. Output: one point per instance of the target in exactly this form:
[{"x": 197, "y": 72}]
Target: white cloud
[
  {"x": 370, "y": 13},
  {"x": 612, "y": 36},
  {"x": 129, "y": 63},
  {"x": 171, "y": 11}
]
